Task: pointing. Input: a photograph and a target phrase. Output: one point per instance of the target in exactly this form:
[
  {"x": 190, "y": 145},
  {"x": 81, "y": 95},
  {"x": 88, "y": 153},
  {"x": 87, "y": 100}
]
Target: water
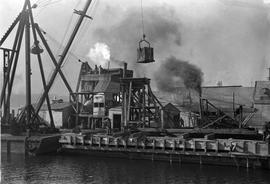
[{"x": 59, "y": 169}]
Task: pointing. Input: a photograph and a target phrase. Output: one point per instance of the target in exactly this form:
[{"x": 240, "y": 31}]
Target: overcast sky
[{"x": 228, "y": 40}]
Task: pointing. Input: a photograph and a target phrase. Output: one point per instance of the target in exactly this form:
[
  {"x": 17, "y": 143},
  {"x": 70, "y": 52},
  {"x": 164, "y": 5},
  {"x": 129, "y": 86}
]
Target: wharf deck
[{"x": 201, "y": 150}]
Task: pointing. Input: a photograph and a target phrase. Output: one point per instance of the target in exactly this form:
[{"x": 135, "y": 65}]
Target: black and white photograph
[{"x": 135, "y": 91}]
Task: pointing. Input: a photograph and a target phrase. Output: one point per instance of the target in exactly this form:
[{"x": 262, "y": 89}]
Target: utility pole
[
  {"x": 36, "y": 46},
  {"x": 27, "y": 69},
  {"x": 6, "y": 102},
  {"x": 269, "y": 74},
  {"x": 233, "y": 105}
]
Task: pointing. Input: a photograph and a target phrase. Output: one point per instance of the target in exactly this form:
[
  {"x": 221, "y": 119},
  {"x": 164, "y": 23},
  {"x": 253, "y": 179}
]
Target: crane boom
[{"x": 62, "y": 58}]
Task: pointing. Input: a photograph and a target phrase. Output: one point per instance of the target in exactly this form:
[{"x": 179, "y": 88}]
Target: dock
[
  {"x": 234, "y": 152},
  {"x": 12, "y": 144},
  {"x": 33, "y": 145}
]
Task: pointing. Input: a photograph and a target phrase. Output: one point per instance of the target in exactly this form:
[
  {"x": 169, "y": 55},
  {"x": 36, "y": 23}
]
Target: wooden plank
[
  {"x": 204, "y": 131},
  {"x": 185, "y": 136},
  {"x": 210, "y": 136}
]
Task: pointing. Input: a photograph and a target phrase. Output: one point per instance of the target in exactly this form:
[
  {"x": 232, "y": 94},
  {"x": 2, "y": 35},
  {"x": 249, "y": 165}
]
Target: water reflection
[{"x": 85, "y": 169}]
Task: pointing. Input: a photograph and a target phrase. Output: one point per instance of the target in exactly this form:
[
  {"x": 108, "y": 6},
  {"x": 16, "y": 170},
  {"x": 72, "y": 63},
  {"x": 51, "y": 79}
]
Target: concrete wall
[
  {"x": 60, "y": 118},
  {"x": 262, "y": 116},
  {"x": 13, "y": 147},
  {"x": 57, "y": 117}
]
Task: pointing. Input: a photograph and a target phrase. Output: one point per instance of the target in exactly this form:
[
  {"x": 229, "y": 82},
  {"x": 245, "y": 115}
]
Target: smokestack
[
  {"x": 269, "y": 74},
  {"x": 96, "y": 69},
  {"x": 99, "y": 69},
  {"x": 200, "y": 104},
  {"x": 125, "y": 70}
]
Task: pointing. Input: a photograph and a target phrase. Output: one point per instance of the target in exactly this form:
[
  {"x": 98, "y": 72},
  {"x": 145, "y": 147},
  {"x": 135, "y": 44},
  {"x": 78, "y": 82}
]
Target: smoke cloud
[
  {"x": 218, "y": 37},
  {"x": 174, "y": 73},
  {"x": 161, "y": 25},
  {"x": 227, "y": 40},
  {"x": 100, "y": 54}
]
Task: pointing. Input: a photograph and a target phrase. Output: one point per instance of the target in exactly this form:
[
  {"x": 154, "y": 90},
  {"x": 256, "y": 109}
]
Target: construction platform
[
  {"x": 235, "y": 152},
  {"x": 33, "y": 145}
]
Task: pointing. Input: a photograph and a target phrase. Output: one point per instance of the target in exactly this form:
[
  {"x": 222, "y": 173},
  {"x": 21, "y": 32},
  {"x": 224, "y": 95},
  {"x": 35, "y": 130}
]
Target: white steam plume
[{"x": 100, "y": 54}]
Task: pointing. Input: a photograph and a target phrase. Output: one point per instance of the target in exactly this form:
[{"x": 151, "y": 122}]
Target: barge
[{"x": 206, "y": 150}]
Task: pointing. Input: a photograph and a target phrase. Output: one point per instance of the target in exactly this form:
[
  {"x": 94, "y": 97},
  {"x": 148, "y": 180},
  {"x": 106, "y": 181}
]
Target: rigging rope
[
  {"x": 143, "y": 33},
  {"x": 41, "y": 5},
  {"x": 50, "y": 3},
  {"x": 68, "y": 27},
  {"x": 84, "y": 29},
  {"x": 51, "y": 38},
  {"x": 45, "y": 3}
]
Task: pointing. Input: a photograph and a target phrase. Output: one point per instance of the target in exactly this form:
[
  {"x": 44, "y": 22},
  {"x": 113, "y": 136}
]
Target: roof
[
  {"x": 170, "y": 107},
  {"x": 233, "y": 86},
  {"x": 221, "y": 97},
  {"x": 60, "y": 106},
  {"x": 177, "y": 97},
  {"x": 262, "y": 92},
  {"x": 107, "y": 86},
  {"x": 118, "y": 108},
  {"x": 54, "y": 106}
]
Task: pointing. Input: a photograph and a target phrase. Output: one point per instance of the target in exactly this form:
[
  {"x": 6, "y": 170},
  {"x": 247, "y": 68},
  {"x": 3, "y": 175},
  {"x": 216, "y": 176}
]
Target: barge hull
[
  {"x": 201, "y": 158},
  {"x": 176, "y": 157},
  {"x": 234, "y": 152}
]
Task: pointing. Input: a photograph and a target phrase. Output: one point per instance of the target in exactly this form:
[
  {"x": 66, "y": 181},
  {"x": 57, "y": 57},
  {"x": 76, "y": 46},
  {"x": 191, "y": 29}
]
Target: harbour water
[{"x": 16, "y": 168}]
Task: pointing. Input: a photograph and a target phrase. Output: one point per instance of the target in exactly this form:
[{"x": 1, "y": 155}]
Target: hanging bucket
[
  {"x": 145, "y": 54},
  {"x": 36, "y": 49}
]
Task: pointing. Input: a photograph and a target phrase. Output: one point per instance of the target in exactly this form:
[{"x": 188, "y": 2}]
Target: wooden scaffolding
[{"x": 140, "y": 107}]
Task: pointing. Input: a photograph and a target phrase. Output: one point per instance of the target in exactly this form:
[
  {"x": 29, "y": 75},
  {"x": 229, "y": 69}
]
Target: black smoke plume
[{"x": 174, "y": 73}]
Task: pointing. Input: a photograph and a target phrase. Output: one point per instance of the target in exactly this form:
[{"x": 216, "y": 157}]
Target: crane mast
[{"x": 25, "y": 22}]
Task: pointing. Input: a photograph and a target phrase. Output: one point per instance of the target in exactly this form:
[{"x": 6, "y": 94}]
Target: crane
[{"x": 24, "y": 21}]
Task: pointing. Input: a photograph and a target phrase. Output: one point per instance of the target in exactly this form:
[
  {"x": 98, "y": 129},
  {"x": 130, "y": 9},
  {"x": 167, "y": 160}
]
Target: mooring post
[
  {"x": 99, "y": 142},
  {"x": 164, "y": 144},
  {"x": 247, "y": 164},
  {"x": 205, "y": 146},
  {"x": 107, "y": 142},
  {"x": 8, "y": 147},
  {"x": 117, "y": 142},
  {"x": 173, "y": 145},
  {"x": 125, "y": 143},
  {"x": 26, "y": 143},
  {"x": 236, "y": 162},
  {"x": 162, "y": 118}
]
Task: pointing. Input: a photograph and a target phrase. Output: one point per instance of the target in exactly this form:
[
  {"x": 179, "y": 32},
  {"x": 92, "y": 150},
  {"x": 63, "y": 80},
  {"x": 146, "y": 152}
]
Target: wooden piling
[{"x": 8, "y": 147}]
